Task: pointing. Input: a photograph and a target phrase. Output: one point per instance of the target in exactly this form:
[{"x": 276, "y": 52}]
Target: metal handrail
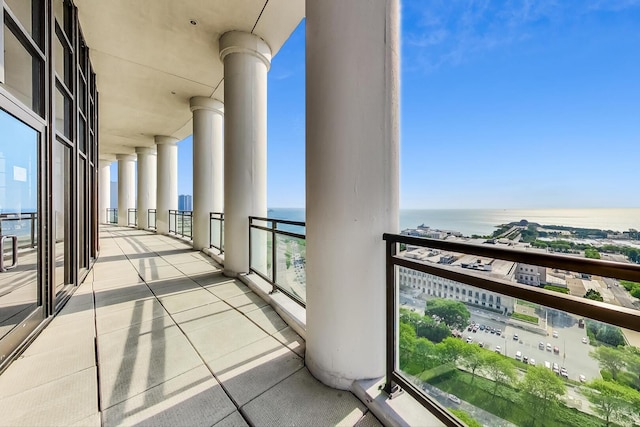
[
  {"x": 151, "y": 214},
  {"x": 10, "y": 217},
  {"x": 216, "y": 216},
  {"x": 183, "y": 215},
  {"x": 274, "y": 230},
  {"x": 604, "y": 312},
  {"x": 132, "y": 212},
  {"x": 112, "y": 215}
]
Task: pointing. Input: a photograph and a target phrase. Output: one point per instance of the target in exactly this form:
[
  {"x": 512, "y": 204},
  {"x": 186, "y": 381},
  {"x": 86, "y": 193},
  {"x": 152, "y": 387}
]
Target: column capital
[
  {"x": 241, "y": 42},
  {"x": 126, "y": 157},
  {"x": 105, "y": 162},
  {"x": 205, "y": 103},
  {"x": 163, "y": 139},
  {"x": 146, "y": 150}
]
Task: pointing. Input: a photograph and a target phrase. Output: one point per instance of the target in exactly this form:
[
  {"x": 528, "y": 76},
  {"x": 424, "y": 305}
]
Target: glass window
[
  {"x": 62, "y": 11},
  {"x": 30, "y": 15},
  {"x": 63, "y": 61},
  {"x": 18, "y": 217},
  {"x": 23, "y": 72},
  {"x": 63, "y": 114}
]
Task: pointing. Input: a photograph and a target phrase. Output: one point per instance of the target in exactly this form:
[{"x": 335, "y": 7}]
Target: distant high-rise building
[{"x": 185, "y": 202}]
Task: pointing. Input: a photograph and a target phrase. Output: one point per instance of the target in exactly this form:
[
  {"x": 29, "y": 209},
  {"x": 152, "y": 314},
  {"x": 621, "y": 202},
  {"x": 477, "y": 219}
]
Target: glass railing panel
[
  {"x": 514, "y": 337},
  {"x": 216, "y": 230},
  {"x": 547, "y": 367},
  {"x": 261, "y": 249},
  {"x": 291, "y": 265}
]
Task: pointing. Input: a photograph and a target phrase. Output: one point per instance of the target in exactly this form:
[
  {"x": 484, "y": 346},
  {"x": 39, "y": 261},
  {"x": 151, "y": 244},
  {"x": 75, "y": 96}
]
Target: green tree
[
  {"x": 451, "y": 350},
  {"x": 594, "y": 295},
  {"x": 634, "y": 255},
  {"x": 541, "y": 392},
  {"x": 632, "y": 362},
  {"x": 499, "y": 368},
  {"x": 453, "y": 313},
  {"x": 613, "y": 401},
  {"x": 424, "y": 353},
  {"x": 473, "y": 358},
  {"x": 609, "y": 358},
  {"x": 407, "y": 343},
  {"x": 425, "y": 326},
  {"x": 592, "y": 253}
]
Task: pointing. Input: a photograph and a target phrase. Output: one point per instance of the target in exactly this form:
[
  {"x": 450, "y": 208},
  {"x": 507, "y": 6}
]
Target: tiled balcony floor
[{"x": 156, "y": 335}]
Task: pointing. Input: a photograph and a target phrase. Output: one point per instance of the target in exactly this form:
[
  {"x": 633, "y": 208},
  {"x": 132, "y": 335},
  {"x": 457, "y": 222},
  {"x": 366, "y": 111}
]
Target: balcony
[{"x": 156, "y": 335}]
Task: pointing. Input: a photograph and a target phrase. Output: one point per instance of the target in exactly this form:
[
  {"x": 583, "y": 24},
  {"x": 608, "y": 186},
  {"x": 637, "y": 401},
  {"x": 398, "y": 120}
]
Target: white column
[
  {"x": 104, "y": 193},
  {"x": 146, "y": 184},
  {"x": 167, "y": 181},
  {"x": 352, "y": 178},
  {"x": 208, "y": 172},
  {"x": 126, "y": 187},
  {"x": 246, "y": 60}
]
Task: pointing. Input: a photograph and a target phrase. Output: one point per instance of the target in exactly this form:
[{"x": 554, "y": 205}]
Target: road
[{"x": 620, "y": 293}]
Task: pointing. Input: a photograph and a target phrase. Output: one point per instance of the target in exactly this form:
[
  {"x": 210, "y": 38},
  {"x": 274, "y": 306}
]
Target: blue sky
[{"x": 504, "y": 104}]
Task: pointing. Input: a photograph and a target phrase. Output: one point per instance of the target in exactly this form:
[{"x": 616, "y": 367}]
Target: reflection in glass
[
  {"x": 291, "y": 265},
  {"x": 18, "y": 217},
  {"x": 23, "y": 72},
  {"x": 61, "y": 214}
]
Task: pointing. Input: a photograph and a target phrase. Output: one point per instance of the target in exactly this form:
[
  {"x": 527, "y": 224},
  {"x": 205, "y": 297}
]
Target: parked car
[
  {"x": 541, "y": 345},
  {"x": 453, "y": 398},
  {"x": 532, "y": 362},
  {"x": 515, "y": 337},
  {"x": 549, "y": 346},
  {"x": 547, "y": 364},
  {"x": 555, "y": 334},
  {"x": 525, "y": 359},
  {"x": 498, "y": 349},
  {"x": 498, "y": 332},
  {"x": 518, "y": 355},
  {"x": 481, "y": 344},
  {"x": 582, "y": 378},
  {"x": 556, "y": 350},
  {"x": 469, "y": 340},
  {"x": 584, "y": 340}
]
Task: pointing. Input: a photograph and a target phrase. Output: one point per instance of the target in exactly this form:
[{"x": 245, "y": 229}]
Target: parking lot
[{"x": 572, "y": 354}]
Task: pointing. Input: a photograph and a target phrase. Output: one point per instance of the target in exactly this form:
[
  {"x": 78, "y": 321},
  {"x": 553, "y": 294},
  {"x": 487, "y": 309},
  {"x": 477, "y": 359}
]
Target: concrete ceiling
[{"x": 150, "y": 59}]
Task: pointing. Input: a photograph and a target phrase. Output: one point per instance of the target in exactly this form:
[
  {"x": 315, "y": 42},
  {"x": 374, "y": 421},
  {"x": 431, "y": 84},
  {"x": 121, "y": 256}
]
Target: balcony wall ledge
[{"x": 401, "y": 411}]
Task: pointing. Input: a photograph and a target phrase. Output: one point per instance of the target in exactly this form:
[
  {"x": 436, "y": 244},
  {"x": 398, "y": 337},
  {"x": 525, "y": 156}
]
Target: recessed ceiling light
[{"x": 193, "y": 22}]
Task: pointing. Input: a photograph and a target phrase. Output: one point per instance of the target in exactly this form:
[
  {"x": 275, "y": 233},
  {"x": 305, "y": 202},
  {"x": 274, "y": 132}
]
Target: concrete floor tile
[
  {"x": 211, "y": 279},
  {"x": 302, "y": 400},
  {"x": 368, "y": 420},
  {"x": 253, "y": 369},
  {"x": 246, "y": 302},
  {"x": 226, "y": 290},
  {"x": 131, "y": 315},
  {"x": 124, "y": 374},
  {"x": 37, "y": 369},
  {"x": 191, "y": 399},
  {"x": 81, "y": 335},
  {"x": 196, "y": 267},
  {"x": 187, "y": 300},
  {"x": 201, "y": 317},
  {"x": 224, "y": 337},
  {"x": 267, "y": 318},
  {"x": 173, "y": 286},
  {"x": 121, "y": 341},
  {"x": 160, "y": 273},
  {"x": 233, "y": 420},
  {"x": 47, "y": 406},
  {"x": 291, "y": 339},
  {"x": 94, "y": 420}
]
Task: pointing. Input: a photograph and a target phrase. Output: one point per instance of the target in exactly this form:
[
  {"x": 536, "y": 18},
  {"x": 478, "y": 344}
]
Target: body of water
[{"x": 484, "y": 221}]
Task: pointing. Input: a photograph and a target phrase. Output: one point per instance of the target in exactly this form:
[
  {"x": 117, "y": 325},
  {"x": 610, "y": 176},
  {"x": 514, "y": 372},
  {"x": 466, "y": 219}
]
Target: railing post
[
  {"x": 274, "y": 252},
  {"x": 391, "y": 315},
  {"x": 222, "y": 232},
  {"x": 33, "y": 231}
]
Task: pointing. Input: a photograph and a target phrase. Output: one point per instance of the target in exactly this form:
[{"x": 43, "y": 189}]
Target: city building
[
  {"x": 432, "y": 286},
  {"x": 185, "y": 202},
  {"x": 531, "y": 275}
]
